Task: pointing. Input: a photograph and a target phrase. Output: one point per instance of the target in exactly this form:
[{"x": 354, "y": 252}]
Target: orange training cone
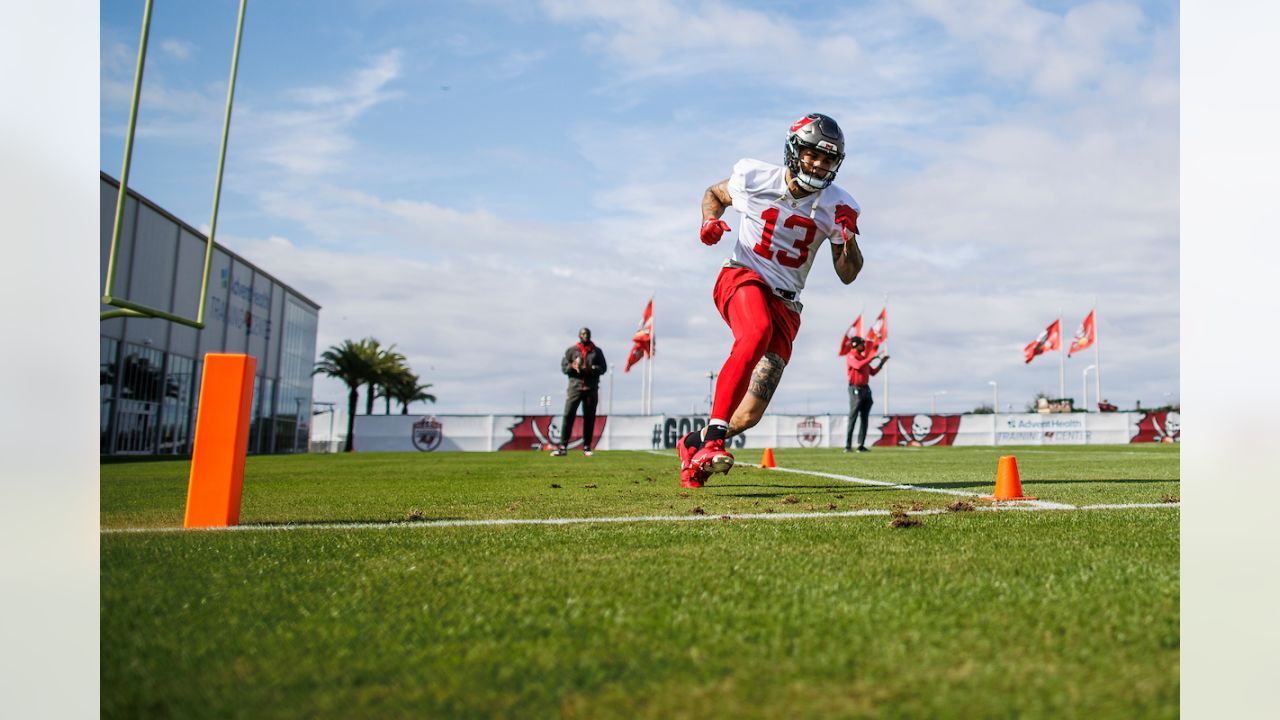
[
  {"x": 1008, "y": 485},
  {"x": 766, "y": 460}
]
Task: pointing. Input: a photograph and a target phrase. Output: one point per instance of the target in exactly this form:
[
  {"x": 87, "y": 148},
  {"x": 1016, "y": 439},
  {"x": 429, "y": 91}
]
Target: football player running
[{"x": 786, "y": 214}]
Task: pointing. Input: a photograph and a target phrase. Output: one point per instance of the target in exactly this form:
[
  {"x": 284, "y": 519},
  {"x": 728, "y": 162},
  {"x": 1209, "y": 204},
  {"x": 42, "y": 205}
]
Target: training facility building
[{"x": 149, "y": 381}]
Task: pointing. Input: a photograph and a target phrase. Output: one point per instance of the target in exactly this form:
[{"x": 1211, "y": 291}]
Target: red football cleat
[
  {"x": 690, "y": 475},
  {"x": 712, "y": 458}
]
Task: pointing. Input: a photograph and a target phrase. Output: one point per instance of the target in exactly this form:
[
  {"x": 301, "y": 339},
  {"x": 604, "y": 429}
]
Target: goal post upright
[{"x": 128, "y": 308}]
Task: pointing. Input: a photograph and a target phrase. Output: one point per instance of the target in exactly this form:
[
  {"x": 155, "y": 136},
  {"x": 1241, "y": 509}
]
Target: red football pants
[{"x": 760, "y": 323}]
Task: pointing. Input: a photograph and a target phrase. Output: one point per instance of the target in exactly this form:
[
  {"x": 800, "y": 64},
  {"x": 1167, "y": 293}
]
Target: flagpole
[
  {"x": 653, "y": 347},
  {"x": 644, "y": 388},
  {"x": 644, "y": 381},
  {"x": 1062, "y": 361},
  {"x": 886, "y": 352},
  {"x": 649, "y": 401},
  {"x": 1097, "y": 357}
]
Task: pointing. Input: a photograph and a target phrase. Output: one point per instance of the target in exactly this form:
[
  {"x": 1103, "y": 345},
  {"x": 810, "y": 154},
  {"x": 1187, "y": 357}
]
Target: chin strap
[{"x": 813, "y": 211}]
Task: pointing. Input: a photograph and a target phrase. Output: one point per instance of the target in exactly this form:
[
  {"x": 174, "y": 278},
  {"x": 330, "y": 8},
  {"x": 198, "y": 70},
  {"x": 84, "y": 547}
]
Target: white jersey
[{"x": 780, "y": 235}]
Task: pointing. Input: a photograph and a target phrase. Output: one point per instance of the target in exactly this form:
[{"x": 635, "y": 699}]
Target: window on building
[{"x": 107, "y": 376}]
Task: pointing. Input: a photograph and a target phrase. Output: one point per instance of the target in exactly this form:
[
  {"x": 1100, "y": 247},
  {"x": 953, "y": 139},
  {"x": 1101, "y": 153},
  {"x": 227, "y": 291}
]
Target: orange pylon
[
  {"x": 222, "y": 438},
  {"x": 766, "y": 460},
  {"x": 1008, "y": 484}
]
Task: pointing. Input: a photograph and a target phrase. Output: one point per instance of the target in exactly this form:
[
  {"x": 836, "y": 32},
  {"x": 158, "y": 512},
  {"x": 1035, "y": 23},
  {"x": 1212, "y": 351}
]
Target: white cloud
[
  {"x": 662, "y": 38},
  {"x": 179, "y": 49},
  {"x": 175, "y": 111},
  {"x": 1057, "y": 55},
  {"x": 314, "y": 137},
  {"x": 519, "y": 63}
]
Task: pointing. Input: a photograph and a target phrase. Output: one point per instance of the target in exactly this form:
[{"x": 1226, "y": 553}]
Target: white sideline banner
[{"x": 487, "y": 433}]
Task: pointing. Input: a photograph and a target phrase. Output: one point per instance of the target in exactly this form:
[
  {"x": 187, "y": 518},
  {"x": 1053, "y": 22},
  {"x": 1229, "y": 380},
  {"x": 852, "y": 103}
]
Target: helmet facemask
[{"x": 822, "y": 134}]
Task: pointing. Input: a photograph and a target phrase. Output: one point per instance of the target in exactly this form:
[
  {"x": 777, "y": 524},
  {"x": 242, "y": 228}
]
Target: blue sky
[{"x": 474, "y": 181}]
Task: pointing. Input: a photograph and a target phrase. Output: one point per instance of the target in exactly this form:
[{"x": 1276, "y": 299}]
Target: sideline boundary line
[
  {"x": 1043, "y": 504},
  {"x": 622, "y": 519},
  {"x": 1011, "y": 505}
]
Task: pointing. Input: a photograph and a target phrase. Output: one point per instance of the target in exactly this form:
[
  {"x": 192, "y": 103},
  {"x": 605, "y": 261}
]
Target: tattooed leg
[{"x": 764, "y": 381}]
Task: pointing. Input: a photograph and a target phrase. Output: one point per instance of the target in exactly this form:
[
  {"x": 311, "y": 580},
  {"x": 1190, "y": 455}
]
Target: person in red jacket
[{"x": 859, "y": 362}]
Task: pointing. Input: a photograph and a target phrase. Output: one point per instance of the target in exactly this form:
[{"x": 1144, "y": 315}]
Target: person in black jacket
[{"x": 584, "y": 364}]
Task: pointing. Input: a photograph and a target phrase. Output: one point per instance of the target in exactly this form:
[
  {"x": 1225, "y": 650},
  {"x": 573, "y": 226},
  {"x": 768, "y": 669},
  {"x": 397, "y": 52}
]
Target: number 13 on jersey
[{"x": 764, "y": 248}]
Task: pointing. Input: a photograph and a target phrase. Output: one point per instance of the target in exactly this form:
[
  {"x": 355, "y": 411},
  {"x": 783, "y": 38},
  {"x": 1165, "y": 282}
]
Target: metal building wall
[{"x": 150, "y": 368}]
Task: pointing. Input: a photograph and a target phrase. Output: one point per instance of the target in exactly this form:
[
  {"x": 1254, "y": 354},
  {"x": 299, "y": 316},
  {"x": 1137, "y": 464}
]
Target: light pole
[
  {"x": 933, "y": 406},
  {"x": 995, "y": 412},
  {"x": 328, "y": 409},
  {"x": 711, "y": 390},
  {"x": 1084, "y": 383}
]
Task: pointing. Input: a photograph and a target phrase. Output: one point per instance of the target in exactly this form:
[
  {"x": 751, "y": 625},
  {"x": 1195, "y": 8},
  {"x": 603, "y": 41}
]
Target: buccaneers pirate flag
[
  {"x": 855, "y": 330},
  {"x": 642, "y": 341},
  {"x": 1050, "y": 339},
  {"x": 1085, "y": 336}
]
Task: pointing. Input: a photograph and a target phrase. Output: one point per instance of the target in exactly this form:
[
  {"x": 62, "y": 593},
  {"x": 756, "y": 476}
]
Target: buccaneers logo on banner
[
  {"x": 918, "y": 430},
  {"x": 1158, "y": 427},
  {"x": 542, "y": 432},
  {"x": 427, "y": 434},
  {"x": 809, "y": 432}
]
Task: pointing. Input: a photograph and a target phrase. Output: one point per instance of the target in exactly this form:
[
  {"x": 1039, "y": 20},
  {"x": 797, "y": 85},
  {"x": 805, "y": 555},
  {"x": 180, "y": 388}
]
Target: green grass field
[{"x": 1049, "y": 613}]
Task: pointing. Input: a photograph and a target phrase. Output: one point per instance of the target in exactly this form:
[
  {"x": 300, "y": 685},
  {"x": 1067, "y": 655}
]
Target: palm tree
[
  {"x": 385, "y": 364},
  {"x": 354, "y": 364},
  {"x": 393, "y": 372},
  {"x": 406, "y": 388}
]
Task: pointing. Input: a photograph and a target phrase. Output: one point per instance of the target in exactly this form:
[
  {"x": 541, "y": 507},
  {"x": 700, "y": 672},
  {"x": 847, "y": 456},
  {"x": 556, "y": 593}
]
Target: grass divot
[{"x": 898, "y": 518}]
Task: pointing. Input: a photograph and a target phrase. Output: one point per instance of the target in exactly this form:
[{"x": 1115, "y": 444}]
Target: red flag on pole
[
  {"x": 1049, "y": 339},
  {"x": 855, "y": 330},
  {"x": 1085, "y": 336},
  {"x": 879, "y": 331},
  {"x": 642, "y": 341}
]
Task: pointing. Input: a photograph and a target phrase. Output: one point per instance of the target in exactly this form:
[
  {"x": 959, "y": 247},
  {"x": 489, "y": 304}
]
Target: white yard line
[
  {"x": 1033, "y": 504},
  {"x": 1025, "y": 505},
  {"x": 638, "y": 518},
  {"x": 1040, "y": 504},
  {"x": 1150, "y": 454},
  {"x": 526, "y": 521}
]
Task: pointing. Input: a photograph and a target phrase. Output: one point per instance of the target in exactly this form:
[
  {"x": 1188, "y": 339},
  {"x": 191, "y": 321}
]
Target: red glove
[
  {"x": 847, "y": 217},
  {"x": 712, "y": 230}
]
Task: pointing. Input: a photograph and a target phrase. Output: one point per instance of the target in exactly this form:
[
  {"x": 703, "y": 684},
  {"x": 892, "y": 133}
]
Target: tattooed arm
[{"x": 715, "y": 200}]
